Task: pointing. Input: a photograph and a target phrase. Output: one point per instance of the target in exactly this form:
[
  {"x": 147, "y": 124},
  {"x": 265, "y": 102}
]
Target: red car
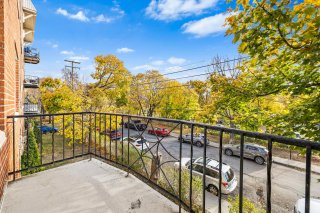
[
  {"x": 159, "y": 131},
  {"x": 114, "y": 134}
]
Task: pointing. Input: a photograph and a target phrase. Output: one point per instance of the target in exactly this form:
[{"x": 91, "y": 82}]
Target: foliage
[
  {"x": 31, "y": 155},
  {"x": 281, "y": 39},
  {"x": 248, "y": 206},
  {"x": 172, "y": 175}
]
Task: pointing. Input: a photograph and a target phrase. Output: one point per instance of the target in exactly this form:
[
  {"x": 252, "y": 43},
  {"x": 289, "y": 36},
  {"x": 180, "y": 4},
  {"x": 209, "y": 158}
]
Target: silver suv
[
  {"x": 229, "y": 180},
  {"x": 252, "y": 151},
  {"x": 198, "y": 139}
]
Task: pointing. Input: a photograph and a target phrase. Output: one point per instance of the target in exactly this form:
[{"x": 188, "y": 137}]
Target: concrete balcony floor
[{"x": 85, "y": 186}]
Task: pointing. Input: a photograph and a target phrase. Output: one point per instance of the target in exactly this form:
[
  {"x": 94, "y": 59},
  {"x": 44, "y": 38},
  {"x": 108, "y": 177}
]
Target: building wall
[{"x": 11, "y": 83}]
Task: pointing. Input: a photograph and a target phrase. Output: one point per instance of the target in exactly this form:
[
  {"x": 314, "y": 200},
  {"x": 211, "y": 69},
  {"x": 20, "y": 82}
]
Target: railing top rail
[{"x": 257, "y": 135}]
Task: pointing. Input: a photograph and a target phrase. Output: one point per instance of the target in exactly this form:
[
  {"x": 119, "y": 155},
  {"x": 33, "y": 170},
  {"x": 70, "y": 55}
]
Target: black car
[{"x": 136, "y": 125}]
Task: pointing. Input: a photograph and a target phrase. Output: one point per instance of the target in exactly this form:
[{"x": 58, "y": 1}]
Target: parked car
[
  {"x": 139, "y": 142},
  {"x": 198, "y": 139},
  {"x": 229, "y": 180},
  {"x": 136, "y": 125},
  {"x": 163, "y": 132},
  {"x": 252, "y": 151},
  {"x": 113, "y": 134},
  {"x": 314, "y": 206},
  {"x": 46, "y": 129}
]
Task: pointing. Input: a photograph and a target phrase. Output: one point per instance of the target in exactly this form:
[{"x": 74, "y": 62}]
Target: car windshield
[
  {"x": 141, "y": 141},
  {"x": 229, "y": 175}
]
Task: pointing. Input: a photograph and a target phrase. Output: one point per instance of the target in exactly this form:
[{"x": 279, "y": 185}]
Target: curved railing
[{"x": 159, "y": 160}]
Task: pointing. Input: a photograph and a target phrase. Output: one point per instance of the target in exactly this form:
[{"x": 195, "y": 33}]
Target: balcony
[
  {"x": 31, "y": 55},
  {"x": 31, "y": 81},
  {"x": 29, "y": 20},
  {"x": 122, "y": 174},
  {"x": 30, "y": 108}
]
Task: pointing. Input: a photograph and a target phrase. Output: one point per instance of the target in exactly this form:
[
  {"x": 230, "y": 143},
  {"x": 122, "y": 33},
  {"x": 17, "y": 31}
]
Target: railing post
[
  {"x": 82, "y": 135},
  {"x": 121, "y": 139},
  {"x": 95, "y": 134},
  {"x": 180, "y": 167},
  {"x": 90, "y": 135},
  {"x": 63, "y": 139},
  {"x": 14, "y": 149},
  {"x": 116, "y": 129},
  {"x": 269, "y": 166},
  {"x": 27, "y": 143},
  {"x": 73, "y": 140},
  {"x": 105, "y": 136},
  {"x": 52, "y": 135},
  {"x": 40, "y": 139},
  {"x": 241, "y": 174},
  {"x": 100, "y": 125},
  {"x": 220, "y": 167},
  {"x": 204, "y": 174},
  {"x": 191, "y": 175},
  {"x": 308, "y": 178},
  {"x": 110, "y": 129}
]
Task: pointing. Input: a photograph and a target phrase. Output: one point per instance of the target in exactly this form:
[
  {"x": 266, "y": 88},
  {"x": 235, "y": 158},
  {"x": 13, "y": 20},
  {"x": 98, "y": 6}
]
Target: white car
[
  {"x": 140, "y": 143},
  {"x": 229, "y": 180},
  {"x": 314, "y": 206}
]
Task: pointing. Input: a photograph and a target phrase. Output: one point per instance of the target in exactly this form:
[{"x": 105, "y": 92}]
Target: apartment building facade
[{"x": 17, "y": 24}]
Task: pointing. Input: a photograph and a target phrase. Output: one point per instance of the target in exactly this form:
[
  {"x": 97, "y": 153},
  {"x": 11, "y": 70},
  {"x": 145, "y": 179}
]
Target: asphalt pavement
[{"x": 288, "y": 184}]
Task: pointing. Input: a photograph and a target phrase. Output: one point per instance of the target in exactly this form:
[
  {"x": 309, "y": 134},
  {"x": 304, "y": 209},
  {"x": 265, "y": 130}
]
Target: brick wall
[{"x": 11, "y": 74}]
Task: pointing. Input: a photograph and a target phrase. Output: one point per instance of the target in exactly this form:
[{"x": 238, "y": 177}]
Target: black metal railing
[
  {"x": 30, "y": 108},
  {"x": 31, "y": 55},
  {"x": 31, "y": 81},
  {"x": 66, "y": 136}
]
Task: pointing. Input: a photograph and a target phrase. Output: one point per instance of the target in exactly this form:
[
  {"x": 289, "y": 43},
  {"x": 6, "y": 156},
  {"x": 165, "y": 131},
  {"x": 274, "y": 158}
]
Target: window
[
  {"x": 229, "y": 175},
  {"x": 212, "y": 173},
  {"x": 197, "y": 168},
  {"x": 252, "y": 148}
]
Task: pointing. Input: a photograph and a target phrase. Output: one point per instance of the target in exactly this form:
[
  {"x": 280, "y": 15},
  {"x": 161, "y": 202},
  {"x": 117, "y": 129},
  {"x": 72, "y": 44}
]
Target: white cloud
[
  {"x": 144, "y": 67},
  {"x": 173, "y": 69},
  {"x": 102, "y": 18},
  {"x": 80, "y": 15},
  {"x": 79, "y": 58},
  {"x": 175, "y": 9},
  {"x": 206, "y": 26},
  {"x": 158, "y": 62},
  {"x": 55, "y": 46},
  {"x": 66, "y": 52},
  {"x": 125, "y": 50},
  {"x": 176, "y": 61}
]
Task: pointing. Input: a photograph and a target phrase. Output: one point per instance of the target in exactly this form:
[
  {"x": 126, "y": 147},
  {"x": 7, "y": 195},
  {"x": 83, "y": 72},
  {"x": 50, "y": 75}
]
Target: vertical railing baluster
[
  {"x": 100, "y": 125},
  {"x": 241, "y": 174},
  {"x": 105, "y": 136},
  {"x": 191, "y": 164},
  {"x": 52, "y": 139},
  {"x": 204, "y": 174},
  {"x": 220, "y": 167},
  {"x": 121, "y": 139},
  {"x": 73, "y": 139},
  {"x": 90, "y": 133},
  {"x": 308, "y": 178},
  {"x": 116, "y": 129},
  {"x": 27, "y": 143},
  {"x": 269, "y": 165},
  {"x": 110, "y": 126},
  {"x": 128, "y": 142},
  {"x": 95, "y": 134},
  {"x": 64, "y": 138},
  {"x": 14, "y": 148},
  {"x": 82, "y": 135},
  {"x": 40, "y": 140},
  {"x": 180, "y": 167}
]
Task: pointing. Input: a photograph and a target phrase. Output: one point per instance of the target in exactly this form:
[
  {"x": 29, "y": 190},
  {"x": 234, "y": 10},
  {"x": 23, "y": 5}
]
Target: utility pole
[{"x": 73, "y": 67}]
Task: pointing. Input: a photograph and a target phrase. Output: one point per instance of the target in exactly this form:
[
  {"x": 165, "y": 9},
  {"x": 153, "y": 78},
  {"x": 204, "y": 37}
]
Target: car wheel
[
  {"x": 259, "y": 160},
  {"x": 198, "y": 144},
  {"x": 213, "y": 189},
  {"x": 228, "y": 152}
]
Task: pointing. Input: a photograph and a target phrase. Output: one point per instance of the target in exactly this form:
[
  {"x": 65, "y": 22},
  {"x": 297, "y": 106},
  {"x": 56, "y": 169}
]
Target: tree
[
  {"x": 112, "y": 82},
  {"x": 147, "y": 92},
  {"x": 281, "y": 40},
  {"x": 31, "y": 155}
]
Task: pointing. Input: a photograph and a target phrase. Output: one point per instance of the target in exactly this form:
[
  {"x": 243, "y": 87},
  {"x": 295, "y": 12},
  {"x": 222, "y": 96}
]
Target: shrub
[
  {"x": 248, "y": 206},
  {"x": 31, "y": 155}
]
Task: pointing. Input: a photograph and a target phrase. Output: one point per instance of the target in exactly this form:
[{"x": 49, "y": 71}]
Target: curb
[{"x": 282, "y": 164}]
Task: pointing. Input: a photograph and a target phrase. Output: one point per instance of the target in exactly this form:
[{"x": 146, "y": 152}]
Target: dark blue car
[{"x": 46, "y": 129}]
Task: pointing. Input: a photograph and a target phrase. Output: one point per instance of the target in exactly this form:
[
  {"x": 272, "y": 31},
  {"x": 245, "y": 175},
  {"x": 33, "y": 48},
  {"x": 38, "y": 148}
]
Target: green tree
[
  {"x": 31, "y": 155},
  {"x": 281, "y": 38}
]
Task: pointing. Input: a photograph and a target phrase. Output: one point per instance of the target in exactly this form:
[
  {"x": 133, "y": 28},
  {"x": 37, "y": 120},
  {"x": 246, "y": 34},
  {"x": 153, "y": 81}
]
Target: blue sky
[{"x": 166, "y": 35}]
